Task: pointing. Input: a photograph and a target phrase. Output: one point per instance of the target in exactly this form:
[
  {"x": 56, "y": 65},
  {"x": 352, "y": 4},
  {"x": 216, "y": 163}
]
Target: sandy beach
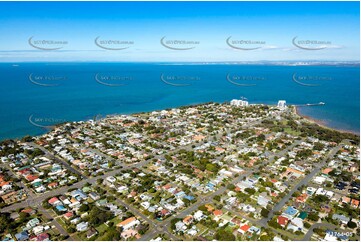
[{"x": 321, "y": 123}]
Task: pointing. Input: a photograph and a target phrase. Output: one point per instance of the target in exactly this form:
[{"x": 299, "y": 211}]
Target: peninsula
[{"x": 229, "y": 171}]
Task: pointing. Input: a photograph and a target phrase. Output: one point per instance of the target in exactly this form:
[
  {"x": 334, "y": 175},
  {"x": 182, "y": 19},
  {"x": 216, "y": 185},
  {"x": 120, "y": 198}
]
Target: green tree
[
  {"x": 313, "y": 216},
  {"x": 351, "y": 224},
  {"x": 84, "y": 207},
  {"x": 224, "y": 235},
  {"x": 250, "y": 191},
  {"x": 112, "y": 235},
  {"x": 264, "y": 212},
  {"x": 217, "y": 198},
  {"x": 173, "y": 222},
  {"x": 5, "y": 222}
]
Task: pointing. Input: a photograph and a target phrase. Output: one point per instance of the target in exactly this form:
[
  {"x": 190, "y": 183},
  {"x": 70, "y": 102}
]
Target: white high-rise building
[
  {"x": 281, "y": 104},
  {"x": 234, "y": 102},
  {"x": 239, "y": 103},
  {"x": 244, "y": 103}
]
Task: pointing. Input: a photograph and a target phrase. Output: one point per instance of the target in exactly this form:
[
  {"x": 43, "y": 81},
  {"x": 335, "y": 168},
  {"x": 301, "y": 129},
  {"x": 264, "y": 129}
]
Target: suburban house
[{"x": 128, "y": 223}]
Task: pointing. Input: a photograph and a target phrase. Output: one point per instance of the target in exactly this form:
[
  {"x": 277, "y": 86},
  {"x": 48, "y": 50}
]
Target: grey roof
[{"x": 340, "y": 217}]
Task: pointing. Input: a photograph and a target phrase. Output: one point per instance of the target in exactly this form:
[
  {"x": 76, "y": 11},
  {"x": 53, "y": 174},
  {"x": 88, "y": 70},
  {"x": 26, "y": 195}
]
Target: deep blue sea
[{"x": 34, "y": 95}]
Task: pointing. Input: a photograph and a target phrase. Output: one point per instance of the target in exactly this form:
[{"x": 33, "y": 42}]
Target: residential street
[{"x": 303, "y": 182}]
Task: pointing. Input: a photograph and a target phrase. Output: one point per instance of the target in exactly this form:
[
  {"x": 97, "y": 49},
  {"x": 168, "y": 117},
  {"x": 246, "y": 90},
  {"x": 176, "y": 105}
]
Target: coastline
[
  {"x": 320, "y": 123},
  {"x": 295, "y": 111}
]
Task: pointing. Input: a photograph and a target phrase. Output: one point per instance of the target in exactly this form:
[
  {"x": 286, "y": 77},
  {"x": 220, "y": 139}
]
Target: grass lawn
[
  {"x": 201, "y": 228},
  {"x": 292, "y": 132},
  {"x": 44, "y": 218},
  {"x": 290, "y": 235},
  {"x": 51, "y": 212},
  {"x": 53, "y": 232},
  {"x": 230, "y": 229},
  {"x": 61, "y": 222},
  {"x": 102, "y": 228},
  {"x": 226, "y": 217},
  {"x": 101, "y": 238},
  {"x": 82, "y": 236},
  {"x": 75, "y": 237}
]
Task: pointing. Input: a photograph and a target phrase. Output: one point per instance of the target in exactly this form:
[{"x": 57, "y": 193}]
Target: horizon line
[{"x": 203, "y": 62}]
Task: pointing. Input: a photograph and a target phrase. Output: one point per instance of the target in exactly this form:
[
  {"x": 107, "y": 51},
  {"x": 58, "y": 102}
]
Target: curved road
[{"x": 309, "y": 234}]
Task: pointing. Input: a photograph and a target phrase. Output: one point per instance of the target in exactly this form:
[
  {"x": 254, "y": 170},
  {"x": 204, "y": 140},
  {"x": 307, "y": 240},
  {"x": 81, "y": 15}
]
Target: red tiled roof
[
  {"x": 244, "y": 227},
  {"x": 355, "y": 202},
  {"x": 164, "y": 211},
  {"x": 4, "y": 183},
  {"x": 53, "y": 200},
  {"x": 42, "y": 237},
  {"x": 68, "y": 214},
  {"x": 217, "y": 212},
  {"x": 282, "y": 220},
  {"x": 302, "y": 198},
  {"x": 31, "y": 177},
  {"x": 53, "y": 184},
  {"x": 27, "y": 210},
  {"x": 327, "y": 170}
]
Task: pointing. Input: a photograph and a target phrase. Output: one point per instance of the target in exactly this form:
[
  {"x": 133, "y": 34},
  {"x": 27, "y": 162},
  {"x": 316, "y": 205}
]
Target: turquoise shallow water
[{"x": 41, "y": 94}]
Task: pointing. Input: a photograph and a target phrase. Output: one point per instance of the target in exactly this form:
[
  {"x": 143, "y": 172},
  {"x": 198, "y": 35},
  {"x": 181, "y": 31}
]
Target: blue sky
[{"x": 209, "y": 24}]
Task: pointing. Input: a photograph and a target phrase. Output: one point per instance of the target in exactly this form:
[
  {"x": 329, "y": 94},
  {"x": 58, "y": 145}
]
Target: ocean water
[{"x": 35, "y": 96}]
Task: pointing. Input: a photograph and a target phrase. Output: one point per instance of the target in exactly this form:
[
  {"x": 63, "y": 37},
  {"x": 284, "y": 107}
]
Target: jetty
[{"x": 310, "y": 104}]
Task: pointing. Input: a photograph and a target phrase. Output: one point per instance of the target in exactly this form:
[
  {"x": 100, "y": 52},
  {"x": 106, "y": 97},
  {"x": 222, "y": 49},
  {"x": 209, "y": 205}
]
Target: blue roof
[
  {"x": 78, "y": 192},
  {"x": 190, "y": 198},
  {"x": 60, "y": 208},
  {"x": 291, "y": 211},
  {"x": 22, "y": 236},
  {"x": 254, "y": 229}
]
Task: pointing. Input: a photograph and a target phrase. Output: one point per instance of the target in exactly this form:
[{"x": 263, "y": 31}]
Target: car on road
[{"x": 352, "y": 190}]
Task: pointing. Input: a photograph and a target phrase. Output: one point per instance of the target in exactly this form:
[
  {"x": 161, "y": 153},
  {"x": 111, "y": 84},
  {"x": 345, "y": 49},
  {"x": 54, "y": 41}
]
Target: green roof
[
  {"x": 302, "y": 215},
  {"x": 226, "y": 217},
  {"x": 23, "y": 168},
  {"x": 37, "y": 184},
  {"x": 101, "y": 202},
  {"x": 86, "y": 189}
]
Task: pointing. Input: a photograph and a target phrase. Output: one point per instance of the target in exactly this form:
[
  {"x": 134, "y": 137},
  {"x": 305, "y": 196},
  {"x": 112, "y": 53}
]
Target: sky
[{"x": 256, "y": 31}]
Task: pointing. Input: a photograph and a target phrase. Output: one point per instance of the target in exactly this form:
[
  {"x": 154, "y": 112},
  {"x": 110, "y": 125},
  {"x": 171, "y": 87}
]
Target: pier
[{"x": 310, "y": 104}]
